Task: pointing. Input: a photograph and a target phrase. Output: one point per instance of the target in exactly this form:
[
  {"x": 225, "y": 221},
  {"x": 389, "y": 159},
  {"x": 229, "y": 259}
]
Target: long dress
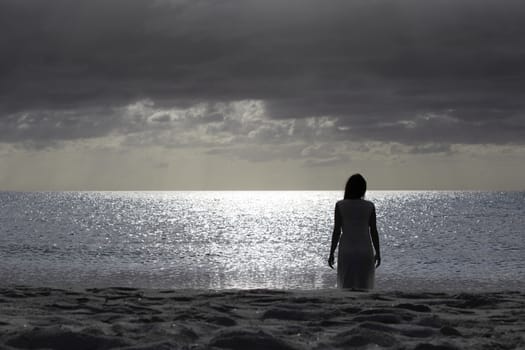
[{"x": 355, "y": 260}]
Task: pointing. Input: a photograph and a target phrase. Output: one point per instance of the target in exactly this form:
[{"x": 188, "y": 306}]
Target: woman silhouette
[{"x": 356, "y": 218}]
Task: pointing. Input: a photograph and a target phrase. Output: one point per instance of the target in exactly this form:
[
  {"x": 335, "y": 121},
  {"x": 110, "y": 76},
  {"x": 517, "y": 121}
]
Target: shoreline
[{"x": 134, "y": 318}]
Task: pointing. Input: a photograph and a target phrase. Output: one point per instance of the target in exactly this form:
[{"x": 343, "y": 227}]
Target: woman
[{"x": 357, "y": 219}]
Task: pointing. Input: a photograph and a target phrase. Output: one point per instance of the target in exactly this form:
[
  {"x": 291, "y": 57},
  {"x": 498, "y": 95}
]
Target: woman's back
[
  {"x": 355, "y": 215},
  {"x": 355, "y": 262}
]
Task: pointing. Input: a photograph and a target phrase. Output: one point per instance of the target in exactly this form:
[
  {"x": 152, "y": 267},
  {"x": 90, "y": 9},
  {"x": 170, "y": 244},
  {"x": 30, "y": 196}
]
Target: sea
[{"x": 430, "y": 240}]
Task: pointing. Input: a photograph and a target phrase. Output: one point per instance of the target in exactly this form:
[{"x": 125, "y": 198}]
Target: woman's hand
[
  {"x": 331, "y": 261},
  {"x": 377, "y": 260}
]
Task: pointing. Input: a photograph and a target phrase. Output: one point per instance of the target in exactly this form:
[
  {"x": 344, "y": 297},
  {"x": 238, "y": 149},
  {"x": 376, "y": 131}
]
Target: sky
[{"x": 262, "y": 94}]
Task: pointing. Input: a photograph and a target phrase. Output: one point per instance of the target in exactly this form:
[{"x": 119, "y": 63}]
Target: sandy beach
[{"x": 126, "y": 318}]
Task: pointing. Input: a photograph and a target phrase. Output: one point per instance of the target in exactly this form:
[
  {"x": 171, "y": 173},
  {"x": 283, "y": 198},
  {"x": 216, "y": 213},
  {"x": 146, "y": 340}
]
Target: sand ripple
[{"x": 136, "y": 319}]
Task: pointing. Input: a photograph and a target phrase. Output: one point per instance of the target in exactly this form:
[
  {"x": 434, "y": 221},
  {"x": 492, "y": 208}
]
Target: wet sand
[{"x": 126, "y": 318}]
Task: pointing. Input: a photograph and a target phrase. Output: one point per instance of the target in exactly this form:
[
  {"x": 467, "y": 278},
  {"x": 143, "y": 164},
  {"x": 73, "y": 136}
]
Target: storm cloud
[{"x": 424, "y": 74}]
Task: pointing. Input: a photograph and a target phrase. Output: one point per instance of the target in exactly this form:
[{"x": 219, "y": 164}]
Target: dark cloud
[
  {"x": 47, "y": 126},
  {"x": 431, "y": 72}
]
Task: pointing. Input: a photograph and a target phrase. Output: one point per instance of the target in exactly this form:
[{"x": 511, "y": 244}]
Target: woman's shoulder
[
  {"x": 362, "y": 202},
  {"x": 369, "y": 203}
]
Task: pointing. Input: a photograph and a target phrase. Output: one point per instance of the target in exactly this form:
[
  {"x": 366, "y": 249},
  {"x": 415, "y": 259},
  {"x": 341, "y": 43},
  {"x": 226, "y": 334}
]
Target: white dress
[{"x": 355, "y": 260}]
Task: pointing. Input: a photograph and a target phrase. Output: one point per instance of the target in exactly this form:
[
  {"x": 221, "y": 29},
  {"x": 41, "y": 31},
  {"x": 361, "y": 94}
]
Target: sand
[{"x": 125, "y": 318}]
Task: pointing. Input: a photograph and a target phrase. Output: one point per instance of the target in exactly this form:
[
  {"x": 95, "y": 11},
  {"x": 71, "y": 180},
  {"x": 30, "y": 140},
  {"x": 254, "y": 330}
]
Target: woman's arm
[
  {"x": 375, "y": 236},
  {"x": 335, "y": 237}
]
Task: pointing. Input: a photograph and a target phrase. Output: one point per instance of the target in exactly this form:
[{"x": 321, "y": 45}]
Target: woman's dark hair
[{"x": 355, "y": 187}]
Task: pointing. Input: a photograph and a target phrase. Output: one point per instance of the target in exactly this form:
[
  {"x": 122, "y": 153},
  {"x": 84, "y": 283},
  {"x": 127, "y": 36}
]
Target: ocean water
[{"x": 441, "y": 241}]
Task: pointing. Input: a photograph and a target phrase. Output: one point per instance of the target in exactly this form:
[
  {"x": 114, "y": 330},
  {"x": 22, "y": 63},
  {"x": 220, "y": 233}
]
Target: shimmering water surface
[{"x": 429, "y": 240}]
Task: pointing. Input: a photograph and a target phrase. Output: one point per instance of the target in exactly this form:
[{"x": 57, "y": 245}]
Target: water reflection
[{"x": 251, "y": 239}]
